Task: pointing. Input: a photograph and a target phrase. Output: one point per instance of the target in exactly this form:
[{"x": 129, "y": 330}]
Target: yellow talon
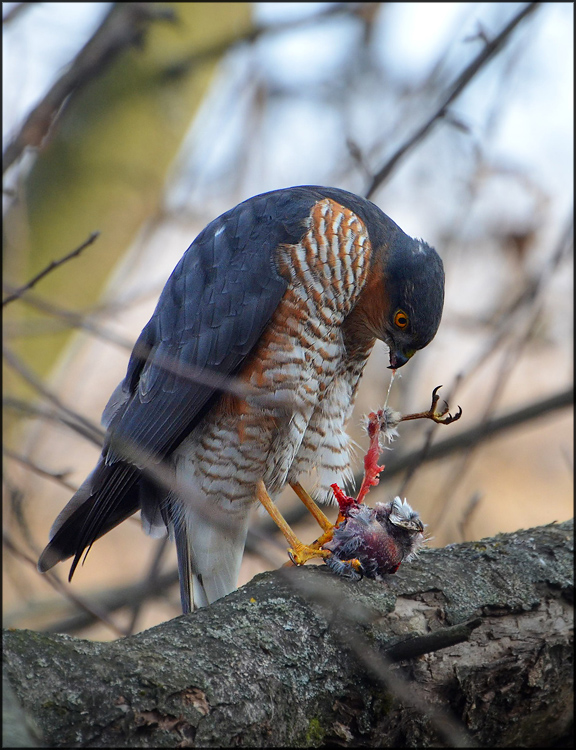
[
  {"x": 298, "y": 552},
  {"x": 303, "y": 553}
]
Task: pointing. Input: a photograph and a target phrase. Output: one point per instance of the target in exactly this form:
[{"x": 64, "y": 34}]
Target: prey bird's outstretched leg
[
  {"x": 441, "y": 417},
  {"x": 298, "y": 552}
]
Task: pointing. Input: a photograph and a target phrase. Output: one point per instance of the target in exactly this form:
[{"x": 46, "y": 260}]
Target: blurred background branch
[
  {"x": 491, "y": 48},
  {"x": 124, "y": 26},
  {"x": 16, "y": 294}
]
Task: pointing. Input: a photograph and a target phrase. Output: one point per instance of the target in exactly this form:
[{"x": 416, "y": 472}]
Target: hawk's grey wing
[{"x": 209, "y": 317}]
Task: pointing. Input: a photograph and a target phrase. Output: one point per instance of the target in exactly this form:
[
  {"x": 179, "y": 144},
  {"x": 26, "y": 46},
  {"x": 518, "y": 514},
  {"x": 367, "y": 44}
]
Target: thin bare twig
[
  {"x": 150, "y": 579},
  {"x": 469, "y": 510},
  {"x": 79, "y": 320},
  {"x": 446, "y": 495},
  {"x": 448, "y": 727},
  {"x": 57, "y": 584},
  {"x": 533, "y": 298},
  {"x": 467, "y": 75},
  {"x": 49, "y": 268},
  {"x": 110, "y": 600},
  {"x": 217, "y": 49},
  {"x": 55, "y": 477},
  {"x": 33, "y": 410},
  {"x": 123, "y": 28},
  {"x": 346, "y": 626},
  {"x": 528, "y": 296},
  {"x": 16, "y": 502},
  {"x": 22, "y": 369},
  {"x": 138, "y": 593}
]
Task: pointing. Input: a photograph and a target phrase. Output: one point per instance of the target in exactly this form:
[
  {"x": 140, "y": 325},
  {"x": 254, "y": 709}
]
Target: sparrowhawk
[{"x": 244, "y": 377}]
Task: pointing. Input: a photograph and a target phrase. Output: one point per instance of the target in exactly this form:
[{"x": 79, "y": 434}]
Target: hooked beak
[{"x": 398, "y": 359}]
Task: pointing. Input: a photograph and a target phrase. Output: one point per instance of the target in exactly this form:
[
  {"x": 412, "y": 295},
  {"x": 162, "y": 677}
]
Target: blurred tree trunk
[
  {"x": 470, "y": 644},
  {"x": 105, "y": 159}
]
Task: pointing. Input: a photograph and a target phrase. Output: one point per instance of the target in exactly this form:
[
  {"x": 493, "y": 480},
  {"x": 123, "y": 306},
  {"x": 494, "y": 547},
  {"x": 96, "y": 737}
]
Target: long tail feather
[
  {"x": 105, "y": 499},
  {"x": 184, "y": 563}
]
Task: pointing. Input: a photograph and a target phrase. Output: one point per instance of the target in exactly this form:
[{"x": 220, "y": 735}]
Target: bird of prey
[{"x": 244, "y": 377}]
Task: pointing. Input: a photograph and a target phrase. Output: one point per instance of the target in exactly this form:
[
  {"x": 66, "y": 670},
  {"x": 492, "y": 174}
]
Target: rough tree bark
[{"x": 467, "y": 645}]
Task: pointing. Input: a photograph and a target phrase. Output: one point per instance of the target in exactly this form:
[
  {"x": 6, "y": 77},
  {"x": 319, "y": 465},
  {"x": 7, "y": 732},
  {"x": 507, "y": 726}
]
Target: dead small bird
[{"x": 373, "y": 542}]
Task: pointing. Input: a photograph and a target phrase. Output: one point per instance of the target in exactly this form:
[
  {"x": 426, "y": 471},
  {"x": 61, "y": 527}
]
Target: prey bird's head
[
  {"x": 403, "y": 525},
  {"x": 402, "y": 516}
]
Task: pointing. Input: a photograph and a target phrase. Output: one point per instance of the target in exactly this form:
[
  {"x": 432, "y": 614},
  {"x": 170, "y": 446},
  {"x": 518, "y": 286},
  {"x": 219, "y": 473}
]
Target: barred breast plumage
[{"x": 301, "y": 357}]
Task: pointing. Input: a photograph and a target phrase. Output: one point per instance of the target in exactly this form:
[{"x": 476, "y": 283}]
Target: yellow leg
[
  {"x": 311, "y": 505},
  {"x": 323, "y": 521},
  {"x": 299, "y": 553}
]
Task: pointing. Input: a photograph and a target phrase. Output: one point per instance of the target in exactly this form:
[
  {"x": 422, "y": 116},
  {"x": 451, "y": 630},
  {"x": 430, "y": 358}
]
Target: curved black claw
[
  {"x": 443, "y": 419},
  {"x": 443, "y": 416},
  {"x": 440, "y": 417},
  {"x": 435, "y": 397}
]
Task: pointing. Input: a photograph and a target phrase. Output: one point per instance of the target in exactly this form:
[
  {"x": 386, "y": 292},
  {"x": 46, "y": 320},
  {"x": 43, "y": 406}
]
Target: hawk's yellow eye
[{"x": 400, "y": 319}]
